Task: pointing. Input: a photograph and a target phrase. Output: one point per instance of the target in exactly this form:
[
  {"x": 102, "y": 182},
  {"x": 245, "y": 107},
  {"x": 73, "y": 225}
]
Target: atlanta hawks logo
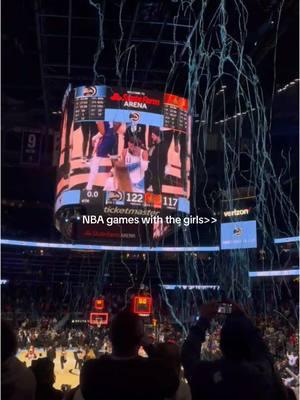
[
  {"x": 237, "y": 231},
  {"x": 134, "y": 116},
  {"x": 89, "y": 91}
]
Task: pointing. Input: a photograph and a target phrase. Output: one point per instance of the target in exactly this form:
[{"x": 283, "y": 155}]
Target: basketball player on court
[
  {"x": 129, "y": 171},
  {"x": 136, "y": 161},
  {"x": 104, "y": 146},
  {"x": 158, "y": 157}
]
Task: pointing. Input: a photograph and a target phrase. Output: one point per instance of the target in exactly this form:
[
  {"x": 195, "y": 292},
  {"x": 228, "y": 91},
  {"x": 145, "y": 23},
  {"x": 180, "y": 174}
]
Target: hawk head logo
[
  {"x": 89, "y": 91},
  {"x": 237, "y": 231},
  {"x": 134, "y": 116}
]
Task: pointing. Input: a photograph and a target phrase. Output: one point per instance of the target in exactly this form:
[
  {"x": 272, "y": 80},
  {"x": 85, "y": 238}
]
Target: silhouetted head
[
  {"x": 43, "y": 370},
  {"x": 9, "y": 344},
  {"x": 169, "y": 353},
  {"x": 126, "y": 333},
  {"x": 241, "y": 340}
]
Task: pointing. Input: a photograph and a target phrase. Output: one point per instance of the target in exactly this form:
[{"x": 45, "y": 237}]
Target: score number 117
[{"x": 170, "y": 201}]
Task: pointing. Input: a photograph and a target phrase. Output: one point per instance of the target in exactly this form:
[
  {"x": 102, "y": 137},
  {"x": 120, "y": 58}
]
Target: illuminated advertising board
[
  {"x": 99, "y": 304},
  {"x": 124, "y": 153},
  {"x": 243, "y": 208},
  {"x": 238, "y": 235},
  {"x": 142, "y": 305},
  {"x": 238, "y": 225}
]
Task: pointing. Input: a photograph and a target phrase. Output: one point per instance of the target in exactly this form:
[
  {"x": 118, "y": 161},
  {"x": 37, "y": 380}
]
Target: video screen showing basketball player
[
  {"x": 104, "y": 144},
  {"x": 136, "y": 162},
  {"x": 180, "y": 147},
  {"x": 66, "y": 128},
  {"x": 128, "y": 173},
  {"x": 136, "y": 130},
  {"x": 88, "y": 131},
  {"x": 158, "y": 158}
]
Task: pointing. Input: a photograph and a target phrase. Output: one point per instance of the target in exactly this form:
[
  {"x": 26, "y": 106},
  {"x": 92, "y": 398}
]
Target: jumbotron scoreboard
[{"x": 122, "y": 153}]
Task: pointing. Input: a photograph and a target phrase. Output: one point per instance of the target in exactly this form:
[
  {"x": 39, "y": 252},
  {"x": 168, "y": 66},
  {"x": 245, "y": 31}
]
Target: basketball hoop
[{"x": 99, "y": 323}]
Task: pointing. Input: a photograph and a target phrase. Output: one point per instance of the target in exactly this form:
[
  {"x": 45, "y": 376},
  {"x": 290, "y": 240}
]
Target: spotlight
[{"x": 77, "y": 215}]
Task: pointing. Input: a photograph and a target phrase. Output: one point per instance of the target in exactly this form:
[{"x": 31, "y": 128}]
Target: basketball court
[{"x": 68, "y": 375}]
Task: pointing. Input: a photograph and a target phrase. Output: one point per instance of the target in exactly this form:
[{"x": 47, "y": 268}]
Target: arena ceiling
[{"x": 47, "y": 44}]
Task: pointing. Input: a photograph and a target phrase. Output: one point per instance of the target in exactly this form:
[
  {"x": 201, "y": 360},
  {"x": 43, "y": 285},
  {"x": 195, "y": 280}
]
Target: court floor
[{"x": 68, "y": 375}]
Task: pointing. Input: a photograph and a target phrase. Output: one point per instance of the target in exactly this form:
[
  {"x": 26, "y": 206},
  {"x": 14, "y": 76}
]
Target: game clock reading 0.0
[{"x": 90, "y": 196}]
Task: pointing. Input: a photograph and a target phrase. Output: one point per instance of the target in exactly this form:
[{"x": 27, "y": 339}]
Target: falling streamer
[
  {"x": 226, "y": 95},
  {"x": 100, "y": 43}
]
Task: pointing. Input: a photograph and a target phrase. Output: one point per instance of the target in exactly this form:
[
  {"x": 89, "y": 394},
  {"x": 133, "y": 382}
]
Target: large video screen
[
  {"x": 124, "y": 152},
  {"x": 238, "y": 235}
]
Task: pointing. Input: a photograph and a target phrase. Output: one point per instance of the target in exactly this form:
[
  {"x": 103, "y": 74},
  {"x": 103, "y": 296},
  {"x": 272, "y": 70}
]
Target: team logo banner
[{"x": 149, "y": 101}]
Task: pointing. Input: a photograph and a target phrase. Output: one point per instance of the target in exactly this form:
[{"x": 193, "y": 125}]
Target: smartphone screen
[{"x": 224, "y": 308}]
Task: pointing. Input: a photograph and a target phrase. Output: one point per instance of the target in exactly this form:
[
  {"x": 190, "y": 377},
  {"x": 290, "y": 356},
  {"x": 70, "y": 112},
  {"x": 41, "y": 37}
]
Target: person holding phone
[{"x": 245, "y": 371}]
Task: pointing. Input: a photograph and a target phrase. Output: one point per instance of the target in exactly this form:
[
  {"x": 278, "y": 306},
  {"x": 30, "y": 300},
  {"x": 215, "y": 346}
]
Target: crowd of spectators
[
  {"x": 258, "y": 354},
  {"x": 110, "y": 360},
  {"x": 41, "y": 301}
]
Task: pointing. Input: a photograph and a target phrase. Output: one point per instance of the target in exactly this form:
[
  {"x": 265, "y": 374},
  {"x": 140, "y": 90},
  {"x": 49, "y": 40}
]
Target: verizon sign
[{"x": 235, "y": 212}]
